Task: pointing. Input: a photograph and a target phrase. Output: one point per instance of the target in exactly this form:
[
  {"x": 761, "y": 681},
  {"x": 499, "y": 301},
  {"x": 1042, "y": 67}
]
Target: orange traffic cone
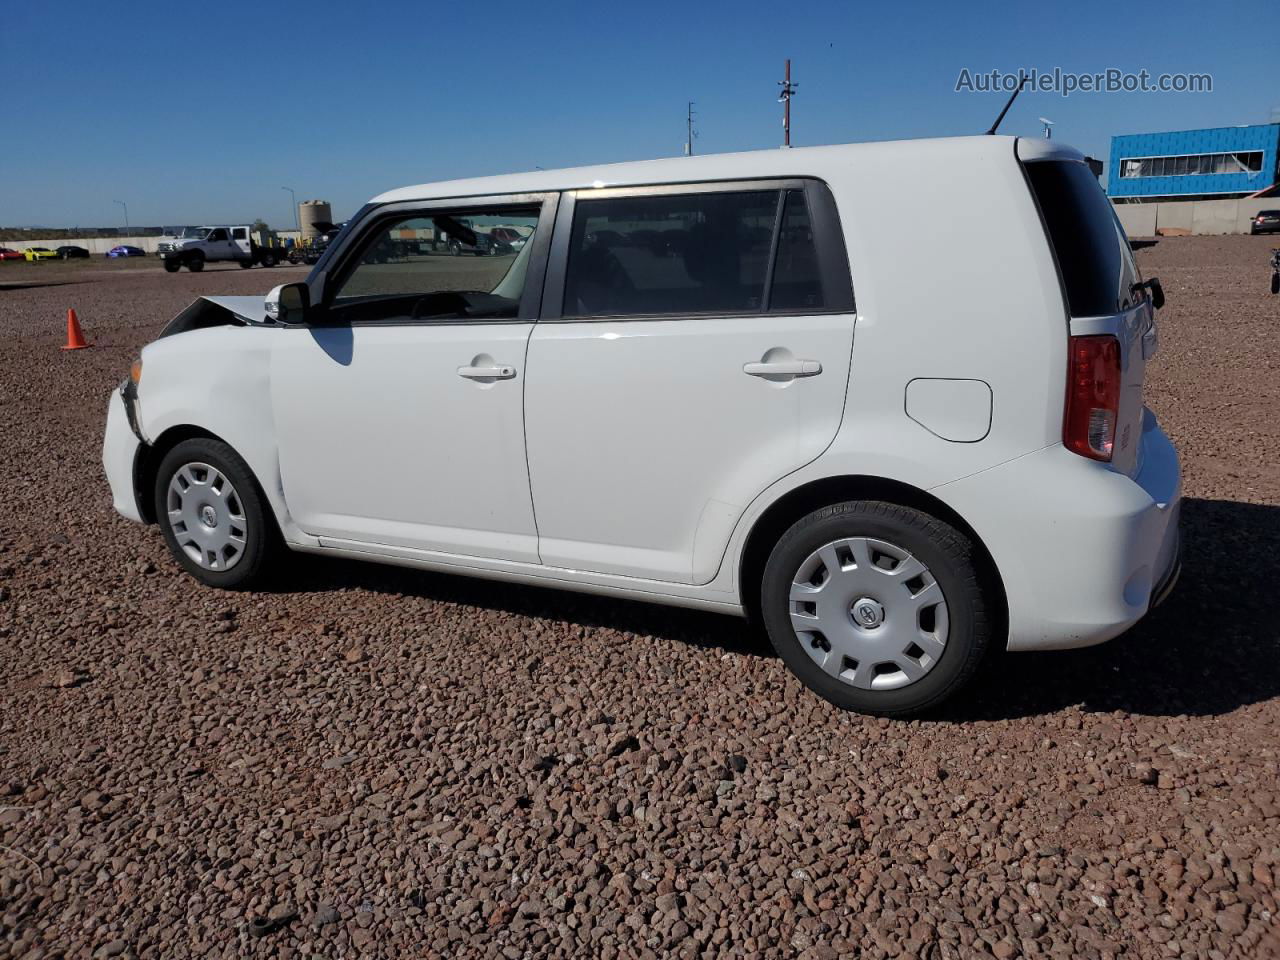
[{"x": 75, "y": 337}]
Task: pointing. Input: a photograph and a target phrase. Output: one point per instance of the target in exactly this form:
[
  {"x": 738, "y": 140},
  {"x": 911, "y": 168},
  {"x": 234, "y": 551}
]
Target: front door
[
  {"x": 701, "y": 352},
  {"x": 399, "y": 414}
]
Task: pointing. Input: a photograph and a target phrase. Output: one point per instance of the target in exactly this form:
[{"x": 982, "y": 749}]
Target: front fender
[{"x": 218, "y": 379}]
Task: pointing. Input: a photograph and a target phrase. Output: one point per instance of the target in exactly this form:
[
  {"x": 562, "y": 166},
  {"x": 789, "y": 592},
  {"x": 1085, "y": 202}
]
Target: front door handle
[
  {"x": 497, "y": 372},
  {"x": 783, "y": 368}
]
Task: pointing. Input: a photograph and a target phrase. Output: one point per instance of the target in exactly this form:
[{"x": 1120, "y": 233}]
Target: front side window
[
  {"x": 218, "y": 234},
  {"x": 438, "y": 266}
]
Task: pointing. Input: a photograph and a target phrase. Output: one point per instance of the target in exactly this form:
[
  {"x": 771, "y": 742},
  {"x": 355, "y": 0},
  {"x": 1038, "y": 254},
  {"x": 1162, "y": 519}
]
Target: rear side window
[
  {"x": 741, "y": 252},
  {"x": 1092, "y": 250},
  {"x": 240, "y": 233}
]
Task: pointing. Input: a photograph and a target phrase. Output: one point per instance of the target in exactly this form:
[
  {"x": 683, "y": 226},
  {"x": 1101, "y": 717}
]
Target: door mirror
[{"x": 288, "y": 303}]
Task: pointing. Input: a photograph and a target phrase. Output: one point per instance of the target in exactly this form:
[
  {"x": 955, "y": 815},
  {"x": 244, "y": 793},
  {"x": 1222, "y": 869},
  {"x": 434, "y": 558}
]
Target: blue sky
[{"x": 200, "y": 113}]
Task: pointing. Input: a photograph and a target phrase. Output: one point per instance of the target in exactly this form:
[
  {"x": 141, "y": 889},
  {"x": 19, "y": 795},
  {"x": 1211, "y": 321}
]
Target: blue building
[{"x": 1214, "y": 164}]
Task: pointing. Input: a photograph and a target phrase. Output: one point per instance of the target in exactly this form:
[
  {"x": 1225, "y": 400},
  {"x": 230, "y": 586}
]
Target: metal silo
[{"x": 310, "y": 213}]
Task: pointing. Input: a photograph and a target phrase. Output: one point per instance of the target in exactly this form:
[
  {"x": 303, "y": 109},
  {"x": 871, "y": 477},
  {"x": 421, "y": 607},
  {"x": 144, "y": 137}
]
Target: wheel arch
[
  {"x": 796, "y": 503},
  {"x": 147, "y": 463}
]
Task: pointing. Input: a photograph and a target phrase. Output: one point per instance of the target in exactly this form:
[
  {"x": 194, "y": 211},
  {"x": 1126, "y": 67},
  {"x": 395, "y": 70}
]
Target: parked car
[
  {"x": 1265, "y": 221},
  {"x": 7, "y": 254},
  {"x": 39, "y": 253},
  {"x": 506, "y": 240},
  {"x": 694, "y": 422},
  {"x": 72, "y": 253},
  {"x": 124, "y": 250}
]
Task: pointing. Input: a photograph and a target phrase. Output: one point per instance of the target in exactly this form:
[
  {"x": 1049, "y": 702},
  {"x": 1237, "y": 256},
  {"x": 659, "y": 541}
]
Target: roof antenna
[{"x": 1022, "y": 82}]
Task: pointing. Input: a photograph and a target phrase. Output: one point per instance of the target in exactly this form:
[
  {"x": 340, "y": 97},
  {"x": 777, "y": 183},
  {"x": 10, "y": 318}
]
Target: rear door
[
  {"x": 241, "y": 248},
  {"x": 1101, "y": 282},
  {"x": 695, "y": 348}
]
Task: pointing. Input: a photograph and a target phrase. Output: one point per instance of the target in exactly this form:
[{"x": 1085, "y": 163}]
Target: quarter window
[
  {"x": 727, "y": 252},
  {"x": 464, "y": 264},
  {"x": 797, "y": 280}
]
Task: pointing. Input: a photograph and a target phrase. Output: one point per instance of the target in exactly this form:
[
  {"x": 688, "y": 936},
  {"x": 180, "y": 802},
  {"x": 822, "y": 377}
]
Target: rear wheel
[
  {"x": 1275, "y": 283},
  {"x": 245, "y": 264},
  {"x": 876, "y": 607},
  {"x": 214, "y": 518},
  {"x": 196, "y": 263},
  {"x": 268, "y": 259}
]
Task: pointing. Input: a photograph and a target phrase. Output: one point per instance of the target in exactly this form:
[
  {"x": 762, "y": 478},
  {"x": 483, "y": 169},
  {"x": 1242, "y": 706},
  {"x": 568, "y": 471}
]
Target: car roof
[{"x": 796, "y": 162}]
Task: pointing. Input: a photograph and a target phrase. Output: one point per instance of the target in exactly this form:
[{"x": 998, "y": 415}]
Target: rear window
[{"x": 1092, "y": 250}]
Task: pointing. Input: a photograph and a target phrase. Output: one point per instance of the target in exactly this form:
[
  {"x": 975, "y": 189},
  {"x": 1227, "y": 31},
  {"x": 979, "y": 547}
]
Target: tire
[
  {"x": 455, "y": 249},
  {"x": 1275, "y": 283},
  {"x": 171, "y": 266},
  {"x": 954, "y": 634},
  {"x": 195, "y": 264},
  {"x": 245, "y": 264},
  {"x": 268, "y": 259},
  {"x": 240, "y": 508}
]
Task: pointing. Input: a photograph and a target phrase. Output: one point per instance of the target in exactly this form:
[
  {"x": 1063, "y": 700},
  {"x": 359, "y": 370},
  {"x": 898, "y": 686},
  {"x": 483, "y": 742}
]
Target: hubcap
[
  {"x": 206, "y": 516},
  {"x": 869, "y": 613}
]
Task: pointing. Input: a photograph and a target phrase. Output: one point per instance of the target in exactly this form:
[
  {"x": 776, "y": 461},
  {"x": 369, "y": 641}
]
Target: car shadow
[{"x": 1212, "y": 647}]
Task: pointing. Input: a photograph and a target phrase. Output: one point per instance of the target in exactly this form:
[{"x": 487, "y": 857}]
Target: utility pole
[
  {"x": 788, "y": 91},
  {"x": 688, "y": 143},
  {"x": 297, "y": 223},
  {"x": 126, "y": 214}
]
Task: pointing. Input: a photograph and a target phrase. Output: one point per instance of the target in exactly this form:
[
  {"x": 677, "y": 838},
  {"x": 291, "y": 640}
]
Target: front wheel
[
  {"x": 876, "y": 607},
  {"x": 171, "y": 266},
  {"x": 214, "y": 518}
]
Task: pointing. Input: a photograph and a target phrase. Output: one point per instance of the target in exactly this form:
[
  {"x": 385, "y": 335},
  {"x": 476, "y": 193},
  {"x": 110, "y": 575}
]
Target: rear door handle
[
  {"x": 783, "y": 368},
  {"x": 500, "y": 372}
]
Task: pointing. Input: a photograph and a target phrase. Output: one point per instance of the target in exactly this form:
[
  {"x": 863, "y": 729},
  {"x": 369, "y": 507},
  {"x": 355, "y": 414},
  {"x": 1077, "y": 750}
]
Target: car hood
[
  {"x": 217, "y": 312},
  {"x": 252, "y": 309}
]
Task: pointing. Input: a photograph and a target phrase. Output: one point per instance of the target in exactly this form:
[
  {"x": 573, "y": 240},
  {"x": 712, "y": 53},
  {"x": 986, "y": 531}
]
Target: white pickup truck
[{"x": 196, "y": 246}]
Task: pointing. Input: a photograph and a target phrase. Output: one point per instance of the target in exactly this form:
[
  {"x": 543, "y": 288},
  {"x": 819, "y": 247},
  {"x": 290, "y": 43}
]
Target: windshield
[{"x": 193, "y": 233}]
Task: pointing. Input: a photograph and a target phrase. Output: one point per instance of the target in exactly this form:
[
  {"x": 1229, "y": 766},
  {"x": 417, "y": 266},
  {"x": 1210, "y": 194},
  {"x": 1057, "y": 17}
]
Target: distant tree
[{"x": 260, "y": 224}]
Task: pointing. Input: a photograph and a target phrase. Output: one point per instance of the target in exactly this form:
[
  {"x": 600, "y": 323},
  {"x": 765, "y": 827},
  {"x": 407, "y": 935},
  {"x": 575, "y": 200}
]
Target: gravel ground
[{"x": 386, "y": 762}]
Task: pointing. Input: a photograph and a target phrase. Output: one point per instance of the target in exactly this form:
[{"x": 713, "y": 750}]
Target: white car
[{"x": 743, "y": 383}]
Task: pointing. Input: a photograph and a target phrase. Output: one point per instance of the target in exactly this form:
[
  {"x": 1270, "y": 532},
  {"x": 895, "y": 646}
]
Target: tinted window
[
  {"x": 219, "y": 234},
  {"x": 240, "y": 233},
  {"x": 442, "y": 265},
  {"x": 797, "y": 279},
  {"x": 1091, "y": 247},
  {"x": 695, "y": 253}
]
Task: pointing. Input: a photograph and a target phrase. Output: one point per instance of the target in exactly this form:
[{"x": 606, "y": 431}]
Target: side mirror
[{"x": 288, "y": 303}]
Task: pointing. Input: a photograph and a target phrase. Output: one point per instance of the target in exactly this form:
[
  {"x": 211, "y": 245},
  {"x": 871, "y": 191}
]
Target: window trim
[
  {"x": 824, "y": 218},
  {"x": 342, "y": 256}
]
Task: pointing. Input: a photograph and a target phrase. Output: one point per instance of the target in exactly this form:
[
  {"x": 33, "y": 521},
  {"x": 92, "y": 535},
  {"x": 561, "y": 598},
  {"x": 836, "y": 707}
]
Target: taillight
[{"x": 1093, "y": 396}]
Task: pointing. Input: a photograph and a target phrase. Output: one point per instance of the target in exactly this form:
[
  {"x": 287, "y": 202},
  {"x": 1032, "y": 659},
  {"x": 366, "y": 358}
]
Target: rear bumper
[
  {"x": 1084, "y": 552},
  {"x": 119, "y": 452}
]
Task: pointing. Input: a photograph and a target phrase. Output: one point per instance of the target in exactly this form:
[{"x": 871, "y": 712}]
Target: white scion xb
[{"x": 887, "y": 398}]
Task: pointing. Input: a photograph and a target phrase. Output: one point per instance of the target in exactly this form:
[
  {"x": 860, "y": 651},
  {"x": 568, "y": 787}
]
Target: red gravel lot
[{"x": 421, "y": 765}]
